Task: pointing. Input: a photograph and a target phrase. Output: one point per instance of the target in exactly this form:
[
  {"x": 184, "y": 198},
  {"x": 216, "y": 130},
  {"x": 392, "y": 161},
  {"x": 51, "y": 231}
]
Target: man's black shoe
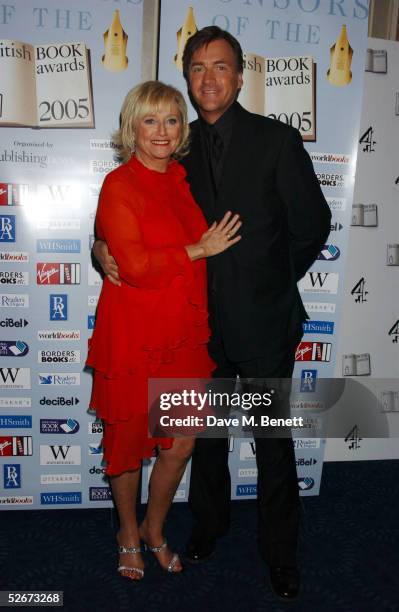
[
  {"x": 285, "y": 582},
  {"x": 198, "y": 551}
]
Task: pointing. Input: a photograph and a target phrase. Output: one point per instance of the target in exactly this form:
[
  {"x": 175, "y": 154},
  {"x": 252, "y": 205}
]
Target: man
[{"x": 258, "y": 168}]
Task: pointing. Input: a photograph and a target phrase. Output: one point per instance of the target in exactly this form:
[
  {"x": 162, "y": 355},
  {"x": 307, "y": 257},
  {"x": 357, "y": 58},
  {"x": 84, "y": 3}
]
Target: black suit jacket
[{"x": 268, "y": 178}]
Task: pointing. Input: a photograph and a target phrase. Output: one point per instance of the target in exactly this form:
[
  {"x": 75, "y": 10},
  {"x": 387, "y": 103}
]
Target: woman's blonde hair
[{"x": 143, "y": 100}]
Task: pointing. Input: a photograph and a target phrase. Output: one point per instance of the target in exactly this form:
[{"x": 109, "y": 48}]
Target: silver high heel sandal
[
  {"x": 172, "y": 563},
  {"x": 133, "y": 573}
]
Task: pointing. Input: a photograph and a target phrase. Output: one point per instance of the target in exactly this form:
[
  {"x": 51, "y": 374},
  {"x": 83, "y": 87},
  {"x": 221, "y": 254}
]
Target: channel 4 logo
[
  {"x": 12, "y": 476},
  {"x": 7, "y": 228},
  {"x": 58, "y": 307},
  {"x": 308, "y": 381}
]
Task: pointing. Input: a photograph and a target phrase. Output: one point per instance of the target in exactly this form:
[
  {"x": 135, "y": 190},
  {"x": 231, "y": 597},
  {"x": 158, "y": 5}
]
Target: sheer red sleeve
[{"x": 117, "y": 222}]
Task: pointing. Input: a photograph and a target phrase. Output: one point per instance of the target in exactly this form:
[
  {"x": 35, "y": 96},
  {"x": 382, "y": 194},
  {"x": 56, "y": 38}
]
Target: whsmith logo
[
  {"x": 58, "y": 356},
  {"x": 13, "y": 277},
  {"x": 7, "y": 228},
  {"x": 14, "y": 378},
  {"x": 318, "y": 327},
  {"x": 14, "y": 300},
  {"x": 313, "y": 351},
  {"x": 58, "y": 273},
  {"x": 16, "y": 446},
  {"x": 57, "y": 246},
  {"x": 61, "y": 498},
  {"x": 305, "y": 484},
  {"x": 13, "y": 323},
  {"x": 62, "y": 334},
  {"x": 329, "y": 252},
  {"x": 14, "y": 257},
  {"x": 59, "y": 426},
  {"x": 13, "y": 348},
  {"x": 100, "y": 494},
  {"x": 308, "y": 381},
  {"x": 16, "y": 420},
  {"x": 59, "y": 401},
  {"x": 60, "y": 454},
  {"x": 330, "y": 158},
  {"x": 247, "y": 489},
  {"x": 319, "y": 282},
  {"x": 59, "y": 379}
]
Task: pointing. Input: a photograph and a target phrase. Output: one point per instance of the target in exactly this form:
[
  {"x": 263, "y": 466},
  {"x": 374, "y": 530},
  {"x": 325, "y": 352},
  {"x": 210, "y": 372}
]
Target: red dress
[{"x": 154, "y": 324}]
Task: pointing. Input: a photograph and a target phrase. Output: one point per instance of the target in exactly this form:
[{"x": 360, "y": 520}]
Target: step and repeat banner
[
  {"x": 304, "y": 65},
  {"x": 65, "y": 69},
  {"x": 368, "y": 347}
]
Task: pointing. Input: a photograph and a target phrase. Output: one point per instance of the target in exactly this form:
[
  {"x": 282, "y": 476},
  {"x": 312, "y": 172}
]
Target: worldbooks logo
[
  {"x": 58, "y": 273},
  {"x": 100, "y": 494},
  {"x": 73, "y": 497},
  {"x": 308, "y": 381},
  {"x": 329, "y": 253},
  {"x": 58, "y": 335},
  {"x": 305, "y": 484},
  {"x": 394, "y": 332},
  {"x": 58, "y": 307},
  {"x": 13, "y": 348},
  {"x": 313, "y": 351},
  {"x": 15, "y": 421},
  {"x": 246, "y": 490},
  {"x": 318, "y": 327},
  {"x": 12, "y": 476},
  {"x": 359, "y": 291},
  {"x": 7, "y": 228},
  {"x": 59, "y": 426},
  {"x": 14, "y": 257},
  {"x": 58, "y": 246}
]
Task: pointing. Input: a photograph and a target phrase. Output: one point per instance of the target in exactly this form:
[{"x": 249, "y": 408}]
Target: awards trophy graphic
[
  {"x": 188, "y": 28},
  {"x": 339, "y": 73},
  {"x": 115, "y": 42}
]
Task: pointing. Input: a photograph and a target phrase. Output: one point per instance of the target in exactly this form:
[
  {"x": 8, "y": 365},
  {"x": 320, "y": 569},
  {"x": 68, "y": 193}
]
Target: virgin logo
[{"x": 45, "y": 273}]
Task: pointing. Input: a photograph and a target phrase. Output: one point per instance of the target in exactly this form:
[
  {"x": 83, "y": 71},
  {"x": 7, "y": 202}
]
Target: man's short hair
[{"x": 202, "y": 38}]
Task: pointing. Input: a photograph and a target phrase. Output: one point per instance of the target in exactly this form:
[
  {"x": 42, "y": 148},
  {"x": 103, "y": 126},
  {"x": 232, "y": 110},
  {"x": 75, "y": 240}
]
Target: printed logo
[
  {"x": 318, "y": 327},
  {"x": 59, "y": 379},
  {"x": 326, "y": 307},
  {"x": 7, "y": 228},
  {"x": 331, "y": 179},
  {"x": 330, "y": 158},
  {"x": 58, "y": 307},
  {"x": 103, "y": 145},
  {"x": 74, "y": 497},
  {"x": 58, "y": 273},
  {"x": 12, "y": 195},
  {"x": 14, "y": 257},
  {"x": 14, "y": 378},
  {"x": 13, "y": 348},
  {"x": 15, "y": 421},
  {"x": 319, "y": 282},
  {"x": 14, "y": 278},
  {"x": 359, "y": 291},
  {"x": 336, "y": 204},
  {"x": 305, "y": 462},
  {"x": 353, "y": 438},
  {"x": 367, "y": 139},
  {"x": 102, "y": 166},
  {"x": 313, "y": 406},
  {"x": 305, "y": 484},
  {"x": 57, "y": 246},
  {"x": 247, "y": 472},
  {"x": 94, "y": 278},
  {"x": 99, "y": 471},
  {"x": 8, "y": 322},
  {"x": 94, "y": 190},
  {"x": 59, "y": 426},
  {"x": 14, "y": 300},
  {"x": 60, "y": 454},
  {"x": 329, "y": 253},
  {"x": 16, "y": 446},
  {"x": 91, "y": 241},
  {"x": 45, "y": 356},
  {"x": 95, "y": 449},
  {"x": 58, "y": 224},
  {"x": 96, "y": 427},
  {"x": 306, "y": 443},
  {"x": 313, "y": 351},
  {"x": 59, "y": 335},
  {"x": 308, "y": 381},
  {"x": 59, "y": 401},
  {"x": 394, "y": 332},
  {"x": 55, "y": 479},
  {"x": 12, "y": 476},
  {"x": 92, "y": 300},
  {"x": 17, "y": 500},
  {"x": 247, "y": 489},
  {"x": 100, "y": 494},
  {"x": 15, "y": 402},
  {"x": 91, "y": 319},
  {"x": 247, "y": 451}
]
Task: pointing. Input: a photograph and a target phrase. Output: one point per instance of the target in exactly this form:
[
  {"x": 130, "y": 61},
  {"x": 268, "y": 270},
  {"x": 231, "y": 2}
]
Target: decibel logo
[
  {"x": 307, "y": 462},
  {"x": 313, "y": 351},
  {"x": 59, "y": 401},
  {"x": 58, "y": 273},
  {"x": 13, "y": 322}
]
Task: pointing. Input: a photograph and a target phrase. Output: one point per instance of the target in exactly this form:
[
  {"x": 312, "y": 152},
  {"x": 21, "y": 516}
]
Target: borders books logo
[
  {"x": 7, "y": 228},
  {"x": 12, "y": 476},
  {"x": 14, "y": 378},
  {"x": 313, "y": 351},
  {"x": 16, "y": 446},
  {"x": 48, "y": 378},
  {"x": 58, "y": 246},
  {"x": 59, "y": 426},
  {"x": 95, "y": 427},
  {"x": 359, "y": 291},
  {"x": 58, "y": 273},
  {"x": 60, "y": 454},
  {"x": 319, "y": 282},
  {"x": 13, "y": 348},
  {"x": 68, "y": 497},
  {"x": 308, "y": 381},
  {"x": 58, "y": 307},
  {"x": 318, "y": 327},
  {"x": 329, "y": 252},
  {"x": 58, "y": 356},
  {"x": 14, "y": 277}
]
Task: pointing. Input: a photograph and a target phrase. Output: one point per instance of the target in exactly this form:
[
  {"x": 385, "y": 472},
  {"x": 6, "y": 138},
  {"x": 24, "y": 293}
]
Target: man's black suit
[{"x": 255, "y": 310}]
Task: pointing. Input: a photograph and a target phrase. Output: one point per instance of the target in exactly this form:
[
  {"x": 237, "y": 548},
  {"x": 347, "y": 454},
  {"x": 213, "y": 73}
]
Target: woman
[{"x": 155, "y": 323}]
